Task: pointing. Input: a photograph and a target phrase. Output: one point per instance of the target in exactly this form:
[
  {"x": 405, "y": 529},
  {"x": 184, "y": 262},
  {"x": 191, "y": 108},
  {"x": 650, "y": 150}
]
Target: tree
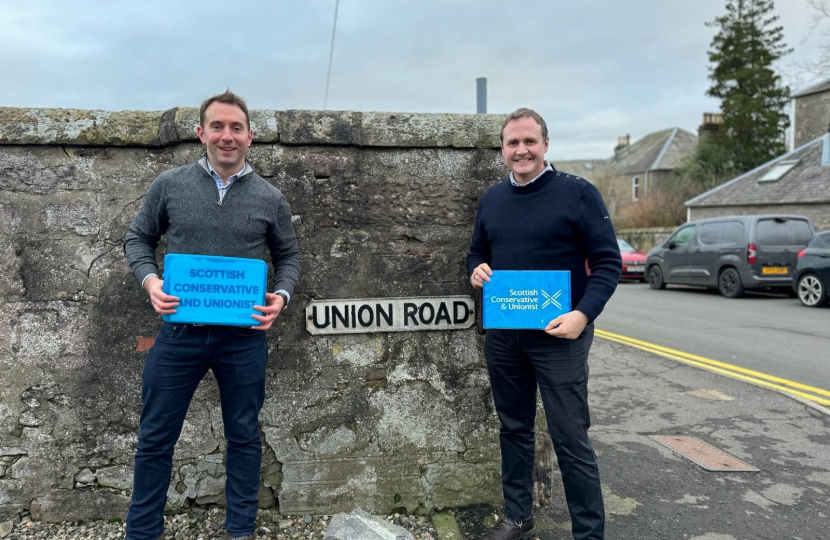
[
  {"x": 820, "y": 66},
  {"x": 753, "y": 97},
  {"x": 708, "y": 167}
]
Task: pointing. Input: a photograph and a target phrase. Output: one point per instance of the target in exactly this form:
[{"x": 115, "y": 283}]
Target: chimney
[
  {"x": 710, "y": 126},
  {"x": 622, "y": 142}
]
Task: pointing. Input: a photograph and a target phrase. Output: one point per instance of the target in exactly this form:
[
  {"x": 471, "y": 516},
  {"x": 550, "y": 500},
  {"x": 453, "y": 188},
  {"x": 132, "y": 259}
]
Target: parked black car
[
  {"x": 731, "y": 253},
  {"x": 812, "y": 276}
]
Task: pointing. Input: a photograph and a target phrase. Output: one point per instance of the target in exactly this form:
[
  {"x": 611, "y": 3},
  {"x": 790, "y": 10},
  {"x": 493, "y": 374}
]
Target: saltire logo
[{"x": 551, "y": 299}]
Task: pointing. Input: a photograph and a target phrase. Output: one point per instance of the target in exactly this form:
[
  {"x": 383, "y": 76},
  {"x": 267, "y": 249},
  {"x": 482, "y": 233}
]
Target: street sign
[
  {"x": 525, "y": 299},
  {"x": 365, "y": 315}
]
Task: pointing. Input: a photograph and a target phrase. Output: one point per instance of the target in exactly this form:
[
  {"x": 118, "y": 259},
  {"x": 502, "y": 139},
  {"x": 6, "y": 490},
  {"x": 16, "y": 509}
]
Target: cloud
[{"x": 594, "y": 69}]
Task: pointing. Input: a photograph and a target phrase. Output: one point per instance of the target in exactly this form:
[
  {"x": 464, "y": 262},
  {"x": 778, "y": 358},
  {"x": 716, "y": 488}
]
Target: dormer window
[{"x": 778, "y": 171}]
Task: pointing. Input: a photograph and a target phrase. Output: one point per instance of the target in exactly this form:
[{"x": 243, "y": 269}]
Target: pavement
[{"x": 651, "y": 492}]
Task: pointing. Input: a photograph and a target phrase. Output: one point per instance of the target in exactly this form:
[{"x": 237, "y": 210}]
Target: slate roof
[
  {"x": 815, "y": 89},
  {"x": 807, "y": 182},
  {"x": 662, "y": 150}
]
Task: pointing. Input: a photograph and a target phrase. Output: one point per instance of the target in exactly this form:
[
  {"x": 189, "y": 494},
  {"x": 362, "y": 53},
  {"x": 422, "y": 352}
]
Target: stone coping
[{"x": 161, "y": 128}]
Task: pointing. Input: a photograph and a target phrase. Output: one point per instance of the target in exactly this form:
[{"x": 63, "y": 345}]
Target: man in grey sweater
[{"x": 216, "y": 206}]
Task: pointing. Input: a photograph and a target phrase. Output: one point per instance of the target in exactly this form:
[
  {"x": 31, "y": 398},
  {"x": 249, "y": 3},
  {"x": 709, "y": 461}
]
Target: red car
[{"x": 633, "y": 262}]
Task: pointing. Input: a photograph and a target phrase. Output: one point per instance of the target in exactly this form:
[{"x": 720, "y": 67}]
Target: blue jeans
[
  {"x": 177, "y": 361},
  {"x": 518, "y": 360}
]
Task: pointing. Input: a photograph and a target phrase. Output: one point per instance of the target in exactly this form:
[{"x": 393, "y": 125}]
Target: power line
[{"x": 331, "y": 54}]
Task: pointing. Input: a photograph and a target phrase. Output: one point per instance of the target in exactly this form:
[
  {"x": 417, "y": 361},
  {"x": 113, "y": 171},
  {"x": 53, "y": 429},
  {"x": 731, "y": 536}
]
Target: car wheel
[
  {"x": 655, "y": 278},
  {"x": 729, "y": 284},
  {"x": 811, "y": 291}
]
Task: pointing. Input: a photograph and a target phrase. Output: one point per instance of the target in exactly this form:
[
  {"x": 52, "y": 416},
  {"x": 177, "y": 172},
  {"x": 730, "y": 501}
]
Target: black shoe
[{"x": 511, "y": 530}]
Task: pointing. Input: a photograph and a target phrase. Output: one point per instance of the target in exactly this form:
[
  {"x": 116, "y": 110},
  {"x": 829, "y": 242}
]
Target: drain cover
[{"x": 705, "y": 455}]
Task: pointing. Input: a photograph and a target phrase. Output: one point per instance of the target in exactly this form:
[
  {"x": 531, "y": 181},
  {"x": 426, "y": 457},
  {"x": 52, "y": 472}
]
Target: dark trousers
[
  {"x": 518, "y": 360},
  {"x": 179, "y": 359}
]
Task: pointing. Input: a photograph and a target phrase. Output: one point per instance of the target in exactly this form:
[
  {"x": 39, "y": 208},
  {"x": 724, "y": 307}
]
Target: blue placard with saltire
[
  {"x": 525, "y": 299},
  {"x": 215, "y": 290}
]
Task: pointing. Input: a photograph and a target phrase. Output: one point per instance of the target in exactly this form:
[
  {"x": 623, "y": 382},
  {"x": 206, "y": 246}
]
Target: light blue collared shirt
[
  {"x": 513, "y": 180},
  {"x": 223, "y": 187}
]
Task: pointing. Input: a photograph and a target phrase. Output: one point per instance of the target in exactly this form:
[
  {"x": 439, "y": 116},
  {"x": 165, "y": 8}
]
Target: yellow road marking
[{"x": 723, "y": 368}]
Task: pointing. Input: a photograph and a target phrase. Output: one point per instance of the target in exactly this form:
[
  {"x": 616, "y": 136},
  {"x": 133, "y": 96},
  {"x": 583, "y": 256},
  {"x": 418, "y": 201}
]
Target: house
[
  {"x": 795, "y": 183},
  {"x": 635, "y": 169},
  {"x": 642, "y": 167},
  {"x": 811, "y": 113}
]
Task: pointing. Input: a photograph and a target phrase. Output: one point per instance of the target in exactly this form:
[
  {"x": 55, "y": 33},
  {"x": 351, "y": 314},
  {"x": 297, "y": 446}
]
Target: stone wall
[
  {"x": 818, "y": 213},
  {"x": 645, "y": 239},
  {"x": 812, "y": 117},
  {"x": 383, "y": 206}
]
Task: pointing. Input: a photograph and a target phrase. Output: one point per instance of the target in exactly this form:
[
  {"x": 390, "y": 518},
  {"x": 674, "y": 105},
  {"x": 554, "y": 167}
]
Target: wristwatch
[{"x": 284, "y": 297}]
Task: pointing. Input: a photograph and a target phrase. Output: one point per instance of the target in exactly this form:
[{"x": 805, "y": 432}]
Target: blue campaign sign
[
  {"x": 215, "y": 290},
  {"x": 525, "y": 299}
]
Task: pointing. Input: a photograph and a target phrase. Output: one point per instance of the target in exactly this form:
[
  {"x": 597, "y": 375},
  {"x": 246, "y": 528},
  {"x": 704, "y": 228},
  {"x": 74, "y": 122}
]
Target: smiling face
[
  {"x": 524, "y": 148},
  {"x": 227, "y": 136}
]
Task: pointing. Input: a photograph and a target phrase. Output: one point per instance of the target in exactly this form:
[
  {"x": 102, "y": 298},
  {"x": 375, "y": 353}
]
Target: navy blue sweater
[{"x": 556, "y": 223}]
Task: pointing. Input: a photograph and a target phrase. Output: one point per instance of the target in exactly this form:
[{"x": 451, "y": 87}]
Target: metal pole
[
  {"x": 481, "y": 95},
  {"x": 331, "y": 55}
]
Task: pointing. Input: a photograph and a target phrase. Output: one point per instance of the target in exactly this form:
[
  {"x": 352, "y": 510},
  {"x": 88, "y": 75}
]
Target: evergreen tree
[
  {"x": 753, "y": 97},
  {"x": 708, "y": 167}
]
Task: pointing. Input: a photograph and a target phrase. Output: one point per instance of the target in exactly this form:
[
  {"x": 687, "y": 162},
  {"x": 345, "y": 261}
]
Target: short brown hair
[
  {"x": 524, "y": 113},
  {"x": 227, "y": 97}
]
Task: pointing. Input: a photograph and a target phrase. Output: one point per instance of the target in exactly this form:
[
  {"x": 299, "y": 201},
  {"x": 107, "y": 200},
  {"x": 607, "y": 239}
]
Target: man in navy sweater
[{"x": 543, "y": 219}]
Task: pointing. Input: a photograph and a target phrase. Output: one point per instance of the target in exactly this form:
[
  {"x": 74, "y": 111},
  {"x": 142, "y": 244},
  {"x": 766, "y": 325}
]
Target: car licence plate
[
  {"x": 775, "y": 270},
  {"x": 636, "y": 268}
]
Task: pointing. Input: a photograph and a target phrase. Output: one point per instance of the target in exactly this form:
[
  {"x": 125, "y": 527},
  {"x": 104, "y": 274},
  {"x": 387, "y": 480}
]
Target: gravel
[{"x": 205, "y": 524}]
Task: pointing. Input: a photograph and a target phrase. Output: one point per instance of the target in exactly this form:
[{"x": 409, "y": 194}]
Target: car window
[
  {"x": 733, "y": 233},
  {"x": 823, "y": 239},
  {"x": 801, "y": 232},
  {"x": 624, "y": 246},
  {"x": 773, "y": 232},
  {"x": 684, "y": 236},
  {"x": 711, "y": 233}
]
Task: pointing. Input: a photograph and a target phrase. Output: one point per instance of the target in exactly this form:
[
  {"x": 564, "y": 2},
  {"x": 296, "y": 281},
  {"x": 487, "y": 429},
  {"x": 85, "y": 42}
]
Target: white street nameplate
[{"x": 363, "y": 315}]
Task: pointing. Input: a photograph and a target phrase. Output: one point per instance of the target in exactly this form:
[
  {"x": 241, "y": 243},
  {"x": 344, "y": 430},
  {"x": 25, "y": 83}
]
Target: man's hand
[
  {"x": 568, "y": 325},
  {"x": 481, "y": 274},
  {"x": 275, "y": 304},
  {"x": 164, "y": 304}
]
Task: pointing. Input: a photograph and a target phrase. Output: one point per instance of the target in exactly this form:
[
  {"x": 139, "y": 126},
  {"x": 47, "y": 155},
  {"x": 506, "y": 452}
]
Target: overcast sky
[{"x": 594, "y": 69}]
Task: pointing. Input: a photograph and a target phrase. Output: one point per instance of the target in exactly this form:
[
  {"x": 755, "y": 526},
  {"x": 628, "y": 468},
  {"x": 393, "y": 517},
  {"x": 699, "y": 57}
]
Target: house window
[
  {"x": 778, "y": 171},
  {"x": 635, "y": 188}
]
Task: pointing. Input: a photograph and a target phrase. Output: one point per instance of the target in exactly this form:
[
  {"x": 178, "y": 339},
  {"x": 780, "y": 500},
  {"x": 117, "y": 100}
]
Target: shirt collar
[
  {"x": 218, "y": 178},
  {"x": 513, "y": 180}
]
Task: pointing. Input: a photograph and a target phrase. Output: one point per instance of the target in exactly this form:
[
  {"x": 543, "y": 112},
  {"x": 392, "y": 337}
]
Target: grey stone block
[
  {"x": 70, "y": 126},
  {"x": 319, "y": 127},
  {"x": 118, "y": 477},
  {"x": 360, "y": 525},
  {"x": 431, "y": 130}
]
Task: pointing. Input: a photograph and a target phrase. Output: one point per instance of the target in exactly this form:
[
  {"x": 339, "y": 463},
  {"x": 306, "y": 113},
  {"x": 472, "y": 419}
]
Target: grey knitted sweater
[{"x": 184, "y": 204}]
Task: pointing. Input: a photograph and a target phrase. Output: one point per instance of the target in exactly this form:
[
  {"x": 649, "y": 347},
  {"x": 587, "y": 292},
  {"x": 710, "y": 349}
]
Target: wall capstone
[{"x": 20, "y": 126}]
